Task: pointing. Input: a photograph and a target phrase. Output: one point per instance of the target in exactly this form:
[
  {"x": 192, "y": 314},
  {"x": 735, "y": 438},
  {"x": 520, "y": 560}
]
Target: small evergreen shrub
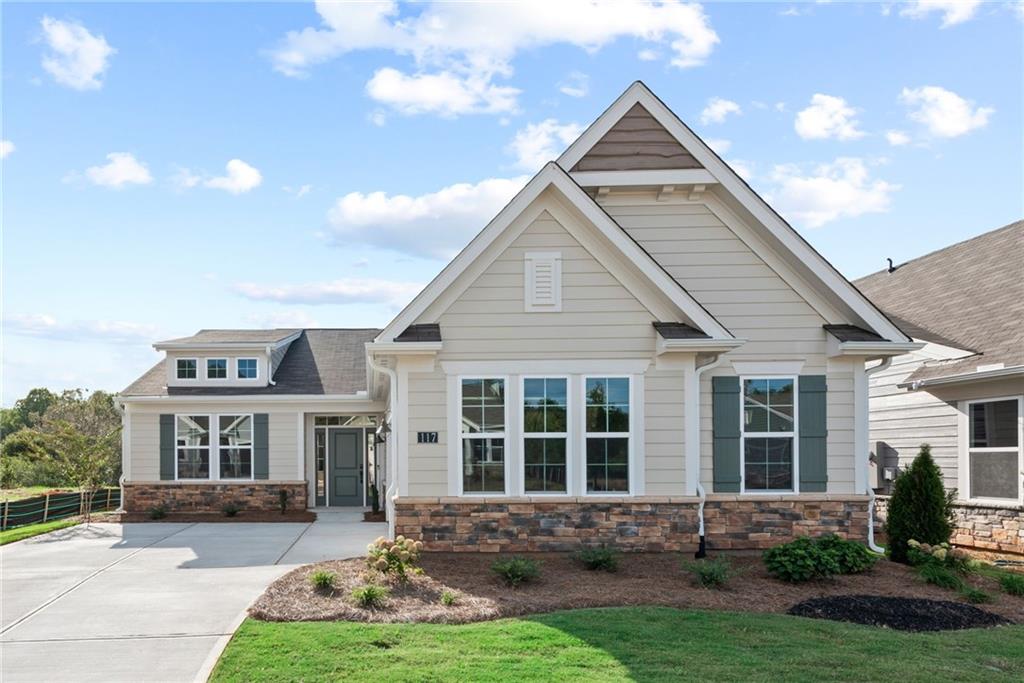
[
  {"x": 516, "y": 570},
  {"x": 157, "y": 512},
  {"x": 975, "y": 596},
  {"x": 852, "y": 557},
  {"x": 1012, "y": 584},
  {"x": 800, "y": 560},
  {"x": 397, "y": 557},
  {"x": 230, "y": 510},
  {"x": 600, "y": 558},
  {"x": 370, "y": 596},
  {"x": 323, "y": 580},
  {"x": 710, "y": 573},
  {"x": 282, "y": 499},
  {"x": 940, "y": 576},
  {"x": 919, "y": 508},
  {"x": 448, "y": 598}
]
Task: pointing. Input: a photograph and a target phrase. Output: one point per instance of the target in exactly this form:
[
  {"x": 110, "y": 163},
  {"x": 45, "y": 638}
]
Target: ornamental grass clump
[
  {"x": 1012, "y": 584},
  {"x": 370, "y": 596},
  {"x": 600, "y": 558},
  {"x": 396, "y": 558},
  {"x": 516, "y": 570},
  {"x": 710, "y": 573},
  {"x": 323, "y": 580}
]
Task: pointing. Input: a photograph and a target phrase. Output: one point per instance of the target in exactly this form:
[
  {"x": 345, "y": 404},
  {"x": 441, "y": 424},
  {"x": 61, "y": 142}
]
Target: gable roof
[
  {"x": 807, "y": 260},
  {"x": 969, "y": 295},
  {"x": 636, "y": 142},
  {"x": 554, "y": 177},
  {"x": 320, "y": 361}
]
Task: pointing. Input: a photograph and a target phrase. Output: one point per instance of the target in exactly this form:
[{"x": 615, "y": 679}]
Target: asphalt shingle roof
[
  {"x": 233, "y": 336},
  {"x": 679, "y": 331}
]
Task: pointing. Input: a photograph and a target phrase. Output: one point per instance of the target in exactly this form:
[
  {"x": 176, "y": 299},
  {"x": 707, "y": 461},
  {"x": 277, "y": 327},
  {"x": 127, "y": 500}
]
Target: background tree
[
  {"x": 919, "y": 509},
  {"x": 83, "y": 459}
]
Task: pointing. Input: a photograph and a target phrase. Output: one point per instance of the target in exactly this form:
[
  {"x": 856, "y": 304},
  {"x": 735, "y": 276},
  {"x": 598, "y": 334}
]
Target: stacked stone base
[
  {"x": 993, "y": 528},
  {"x": 644, "y": 524},
  {"x": 176, "y": 496}
]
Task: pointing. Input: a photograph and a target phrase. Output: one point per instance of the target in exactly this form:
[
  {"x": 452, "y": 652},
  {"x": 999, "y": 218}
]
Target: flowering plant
[
  {"x": 940, "y": 554},
  {"x": 396, "y": 557}
]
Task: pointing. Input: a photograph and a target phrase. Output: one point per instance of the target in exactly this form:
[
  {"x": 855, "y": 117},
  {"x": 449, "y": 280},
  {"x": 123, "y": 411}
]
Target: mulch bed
[
  {"x": 642, "y": 579},
  {"x": 904, "y": 614},
  {"x": 243, "y": 516},
  {"x": 370, "y": 516}
]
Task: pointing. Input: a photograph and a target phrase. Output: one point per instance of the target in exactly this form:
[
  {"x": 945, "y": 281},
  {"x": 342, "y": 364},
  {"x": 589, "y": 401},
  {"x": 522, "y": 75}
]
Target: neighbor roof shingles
[{"x": 234, "y": 336}]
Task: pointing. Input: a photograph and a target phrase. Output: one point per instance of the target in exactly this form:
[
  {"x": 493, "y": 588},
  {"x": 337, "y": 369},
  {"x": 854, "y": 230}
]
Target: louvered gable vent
[{"x": 543, "y": 281}]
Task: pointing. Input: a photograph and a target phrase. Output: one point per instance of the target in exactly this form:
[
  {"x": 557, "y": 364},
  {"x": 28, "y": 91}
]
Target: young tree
[
  {"x": 86, "y": 460},
  {"x": 919, "y": 508}
]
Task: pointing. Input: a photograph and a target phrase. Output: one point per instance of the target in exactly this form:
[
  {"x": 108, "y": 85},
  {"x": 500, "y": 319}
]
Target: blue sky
[{"x": 169, "y": 167}]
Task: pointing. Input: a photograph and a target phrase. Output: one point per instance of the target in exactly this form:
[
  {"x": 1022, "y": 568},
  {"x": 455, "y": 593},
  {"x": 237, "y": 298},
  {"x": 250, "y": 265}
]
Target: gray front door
[{"x": 346, "y": 472}]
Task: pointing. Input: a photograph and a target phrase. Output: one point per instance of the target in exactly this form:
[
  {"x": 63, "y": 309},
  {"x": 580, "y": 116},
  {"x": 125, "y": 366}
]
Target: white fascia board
[
  {"x": 698, "y": 345},
  {"x": 742, "y": 192},
  {"x": 226, "y": 345},
  {"x": 964, "y": 377},
  {"x": 247, "y": 398},
  {"x": 682, "y": 176},
  {"x": 403, "y": 348},
  {"x": 873, "y": 349}
]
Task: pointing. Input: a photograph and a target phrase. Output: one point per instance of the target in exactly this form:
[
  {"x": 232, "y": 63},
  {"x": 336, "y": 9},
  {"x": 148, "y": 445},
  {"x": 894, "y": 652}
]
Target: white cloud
[
  {"x": 122, "y": 169},
  {"x": 6, "y": 147},
  {"x": 241, "y": 177},
  {"x": 539, "y": 143},
  {"x": 577, "y": 84},
  {"x": 827, "y": 117},
  {"x": 942, "y": 112},
  {"x": 841, "y": 189},
  {"x": 897, "y": 138},
  {"x": 76, "y": 58},
  {"x": 648, "y": 55},
  {"x": 461, "y": 48},
  {"x": 48, "y": 327},
  {"x": 185, "y": 179},
  {"x": 298, "y": 192},
  {"x": 718, "y": 109},
  {"x": 344, "y": 291},
  {"x": 953, "y": 11},
  {"x": 434, "y": 225},
  {"x": 719, "y": 145},
  {"x": 378, "y": 117}
]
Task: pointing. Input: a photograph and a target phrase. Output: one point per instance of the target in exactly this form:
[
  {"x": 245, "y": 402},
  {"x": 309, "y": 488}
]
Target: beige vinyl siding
[
  {"x": 664, "y": 433},
  {"x": 636, "y": 141},
  {"x": 428, "y": 463},
  {"x": 840, "y": 423}
]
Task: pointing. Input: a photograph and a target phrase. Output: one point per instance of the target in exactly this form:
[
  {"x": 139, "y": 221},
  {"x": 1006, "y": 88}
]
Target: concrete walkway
[{"x": 148, "y": 602}]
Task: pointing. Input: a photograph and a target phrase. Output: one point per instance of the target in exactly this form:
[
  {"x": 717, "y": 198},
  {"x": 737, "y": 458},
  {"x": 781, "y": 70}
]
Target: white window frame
[
  {"x": 503, "y": 435},
  {"x": 238, "y": 369},
  {"x": 631, "y": 472},
  {"x": 966, "y": 449},
  {"x": 567, "y": 435},
  {"x": 227, "y": 369},
  {"x": 214, "y": 448},
  {"x": 177, "y": 370},
  {"x": 794, "y": 435}
]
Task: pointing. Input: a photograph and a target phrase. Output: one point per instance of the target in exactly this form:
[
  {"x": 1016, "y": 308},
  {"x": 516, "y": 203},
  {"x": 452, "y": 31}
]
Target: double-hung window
[
  {"x": 246, "y": 368},
  {"x": 768, "y": 434},
  {"x": 235, "y": 446},
  {"x": 186, "y": 368},
  {"x": 482, "y": 403},
  {"x": 229, "y": 452},
  {"x": 607, "y": 434},
  {"x": 994, "y": 449},
  {"x": 216, "y": 368},
  {"x": 192, "y": 439},
  {"x": 545, "y": 434}
]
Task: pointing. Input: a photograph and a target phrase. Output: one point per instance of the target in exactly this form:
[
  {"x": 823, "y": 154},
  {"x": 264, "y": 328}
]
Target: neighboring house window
[
  {"x": 192, "y": 437},
  {"x": 483, "y": 435},
  {"x": 607, "y": 434},
  {"x": 994, "y": 448},
  {"x": 235, "y": 446},
  {"x": 247, "y": 368},
  {"x": 545, "y": 434},
  {"x": 216, "y": 368},
  {"x": 186, "y": 368},
  {"x": 767, "y": 434}
]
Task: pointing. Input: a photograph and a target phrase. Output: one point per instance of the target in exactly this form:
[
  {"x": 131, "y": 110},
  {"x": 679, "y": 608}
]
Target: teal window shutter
[
  {"x": 167, "y": 447},
  {"x": 813, "y": 434},
  {"x": 725, "y": 420},
  {"x": 261, "y": 447}
]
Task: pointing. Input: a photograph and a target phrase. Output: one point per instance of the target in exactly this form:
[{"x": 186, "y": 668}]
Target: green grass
[
  {"x": 620, "y": 644},
  {"x": 22, "y": 532},
  {"x": 22, "y": 492}
]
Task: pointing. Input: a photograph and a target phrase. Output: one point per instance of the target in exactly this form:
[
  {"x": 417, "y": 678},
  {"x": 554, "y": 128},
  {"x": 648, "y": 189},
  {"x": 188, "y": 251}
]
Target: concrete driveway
[{"x": 148, "y": 602}]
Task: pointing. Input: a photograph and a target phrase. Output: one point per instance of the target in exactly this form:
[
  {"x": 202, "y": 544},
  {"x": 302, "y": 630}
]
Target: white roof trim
[
  {"x": 403, "y": 348},
  {"x": 362, "y": 396},
  {"x": 553, "y": 176},
  {"x": 964, "y": 377},
  {"x": 873, "y": 349},
  {"x": 225, "y": 345},
  {"x": 732, "y": 183},
  {"x": 697, "y": 345},
  {"x": 647, "y": 178}
]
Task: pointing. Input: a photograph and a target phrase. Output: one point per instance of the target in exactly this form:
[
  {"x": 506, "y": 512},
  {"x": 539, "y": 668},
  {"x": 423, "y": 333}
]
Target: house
[
  {"x": 962, "y": 392},
  {"x": 637, "y": 350}
]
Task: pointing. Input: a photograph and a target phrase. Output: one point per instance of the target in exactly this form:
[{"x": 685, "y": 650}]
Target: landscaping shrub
[
  {"x": 1012, "y": 584},
  {"x": 919, "y": 508},
  {"x": 448, "y": 598},
  {"x": 230, "y": 510},
  {"x": 851, "y": 556},
  {"x": 800, "y": 560},
  {"x": 940, "y": 576},
  {"x": 516, "y": 570},
  {"x": 282, "y": 499},
  {"x": 600, "y": 558},
  {"x": 397, "y": 557},
  {"x": 370, "y": 596},
  {"x": 323, "y": 580},
  {"x": 710, "y": 573},
  {"x": 975, "y": 596},
  {"x": 954, "y": 559},
  {"x": 157, "y": 512}
]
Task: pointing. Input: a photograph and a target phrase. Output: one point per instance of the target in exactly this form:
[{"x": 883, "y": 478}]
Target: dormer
[{"x": 226, "y": 358}]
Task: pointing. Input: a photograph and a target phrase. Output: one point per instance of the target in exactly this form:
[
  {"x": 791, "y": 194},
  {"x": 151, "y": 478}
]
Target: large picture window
[
  {"x": 993, "y": 449},
  {"x": 199, "y": 456},
  {"x": 768, "y": 432},
  {"x": 545, "y": 434},
  {"x": 235, "y": 446},
  {"x": 482, "y": 403},
  {"x": 192, "y": 439},
  {"x": 607, "y": 434}
]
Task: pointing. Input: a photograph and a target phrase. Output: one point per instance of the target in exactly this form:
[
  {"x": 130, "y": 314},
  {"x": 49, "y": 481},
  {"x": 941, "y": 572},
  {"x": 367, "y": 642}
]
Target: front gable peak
[{"x": 636, "y": 142}]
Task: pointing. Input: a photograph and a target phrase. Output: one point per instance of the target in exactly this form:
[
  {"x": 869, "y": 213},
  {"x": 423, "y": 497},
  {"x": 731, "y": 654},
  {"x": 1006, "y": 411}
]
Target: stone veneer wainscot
[
  {"x": 995, "y": 528},
  {"x": 643, "y": 524},
  {"x": 177, "y": 496}
]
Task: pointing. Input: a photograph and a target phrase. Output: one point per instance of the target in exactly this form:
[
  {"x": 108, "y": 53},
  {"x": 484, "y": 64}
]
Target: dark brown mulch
[
  {"x": 642, "y": 579},
  {"x": 904, "y": 614},
  {"x": 369, "y": 516},
  {"x": 243, "y": 516}
]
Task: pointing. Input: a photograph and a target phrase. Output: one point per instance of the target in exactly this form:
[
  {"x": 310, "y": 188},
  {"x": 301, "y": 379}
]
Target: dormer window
[
  {"x": 247, "y": 368},
  {"x": 186, "y": 368},
  {"x": 216, "y": 368}
]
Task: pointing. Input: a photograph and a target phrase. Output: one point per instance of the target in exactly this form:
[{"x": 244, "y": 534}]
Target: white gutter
[
  {"x": 886, "y": 362},
  {"x": 963, "y": 377},
  {"x": 392, "y": 468},
  {"x": 700, "y": 488},
  {"x": 246, "y": 398}
]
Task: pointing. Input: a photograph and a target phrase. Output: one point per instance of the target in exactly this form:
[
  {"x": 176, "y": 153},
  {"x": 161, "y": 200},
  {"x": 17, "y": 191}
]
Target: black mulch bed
[{"x": 903, "y": 614}]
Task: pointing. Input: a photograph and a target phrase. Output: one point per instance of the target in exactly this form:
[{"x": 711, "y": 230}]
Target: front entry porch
[{"x": 345, "y": 465}]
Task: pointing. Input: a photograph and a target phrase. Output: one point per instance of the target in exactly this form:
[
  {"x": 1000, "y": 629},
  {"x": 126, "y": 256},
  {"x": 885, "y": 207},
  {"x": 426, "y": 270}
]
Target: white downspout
[
  {"x": 700, "y": 487},
  {"x": 270, "y": 365},
  {"x": 125, "y": 445},
  {"x": 392, "y": 467},
  {"x": 886, "y": 362}
]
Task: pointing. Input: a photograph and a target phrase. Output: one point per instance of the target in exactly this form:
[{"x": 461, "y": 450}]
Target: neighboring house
[
  {"x": 963, "y": 392},
  {"x": 635, "y": 343}
]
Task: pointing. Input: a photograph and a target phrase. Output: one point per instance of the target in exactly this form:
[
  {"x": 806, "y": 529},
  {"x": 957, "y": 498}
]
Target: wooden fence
[{"x": 55, "y": 506}]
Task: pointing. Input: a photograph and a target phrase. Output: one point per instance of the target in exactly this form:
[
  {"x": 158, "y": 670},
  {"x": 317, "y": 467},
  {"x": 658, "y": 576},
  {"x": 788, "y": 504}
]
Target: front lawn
[
  {"x": 619, "y": 644},
  {"x": 29, "y": 530}
]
